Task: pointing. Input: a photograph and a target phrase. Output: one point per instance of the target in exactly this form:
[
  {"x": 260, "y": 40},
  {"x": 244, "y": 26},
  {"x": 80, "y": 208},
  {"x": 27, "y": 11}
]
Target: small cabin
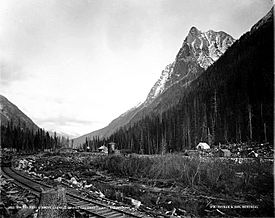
[
  {"x": 111, "y": 147},
  {"x": 203, "y": 146},
  {"x": 253, "y": 154},
  {"x": 223, "y": 153},
  {"x": 103, "y": 149},
  {"x": 47, "y": 150}
]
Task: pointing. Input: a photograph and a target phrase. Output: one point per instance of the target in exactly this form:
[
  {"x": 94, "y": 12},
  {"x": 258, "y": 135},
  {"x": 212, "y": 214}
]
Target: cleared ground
[{"x": 166, "y": 185}]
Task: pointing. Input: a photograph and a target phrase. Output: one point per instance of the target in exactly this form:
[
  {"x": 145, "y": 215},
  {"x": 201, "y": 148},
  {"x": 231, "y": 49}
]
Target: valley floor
[{"x": 164, "y": 186}]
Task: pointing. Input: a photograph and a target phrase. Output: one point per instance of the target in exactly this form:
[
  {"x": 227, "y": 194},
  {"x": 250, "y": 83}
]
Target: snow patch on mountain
[
  {"x": 161, "y": 84},
  {"x": 208, "y": 46},
  {"x": 132, "y": 109},
  {"x": 165, "y": 75}
]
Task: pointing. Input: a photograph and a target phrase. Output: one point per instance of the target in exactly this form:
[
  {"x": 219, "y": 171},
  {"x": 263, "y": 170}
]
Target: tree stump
[{"x": 53, "y": 203}]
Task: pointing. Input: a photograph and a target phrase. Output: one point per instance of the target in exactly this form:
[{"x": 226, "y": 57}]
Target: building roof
[
  {"x": 203, "y": 145},
  {"x": 112, "y": 143}
]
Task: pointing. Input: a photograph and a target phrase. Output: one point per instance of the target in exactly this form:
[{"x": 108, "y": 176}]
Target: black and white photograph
[{"x": 131, "y": 108}]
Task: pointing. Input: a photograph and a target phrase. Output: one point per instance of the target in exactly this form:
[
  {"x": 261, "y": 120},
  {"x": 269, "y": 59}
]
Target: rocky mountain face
[
  {"x": 10, "y": 113},
  {"x": 199, "y": 50}
]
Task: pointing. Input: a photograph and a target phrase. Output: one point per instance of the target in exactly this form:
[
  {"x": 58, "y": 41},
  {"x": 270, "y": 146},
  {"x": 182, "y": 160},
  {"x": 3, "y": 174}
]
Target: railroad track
[{"x": 89, "y": 206}]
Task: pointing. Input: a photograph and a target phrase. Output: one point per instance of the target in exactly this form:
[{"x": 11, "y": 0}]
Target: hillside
[
  {"x": 10, "y": 113},
  {"x": 110, "y": 129}
]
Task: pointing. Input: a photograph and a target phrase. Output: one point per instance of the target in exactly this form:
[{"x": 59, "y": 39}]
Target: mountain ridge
[
  {"x": 10, "y": 113},
  {"x": 198, "y": 51}
]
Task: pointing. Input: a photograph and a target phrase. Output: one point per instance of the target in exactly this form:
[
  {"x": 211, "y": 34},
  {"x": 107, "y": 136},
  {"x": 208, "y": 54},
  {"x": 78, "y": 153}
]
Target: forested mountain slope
[
  {"x": 108, "y": 130},
  {"x": 198, "y": 51},
  {"x": 10, "y": 113},
  {"x": 231, "y": 101}
]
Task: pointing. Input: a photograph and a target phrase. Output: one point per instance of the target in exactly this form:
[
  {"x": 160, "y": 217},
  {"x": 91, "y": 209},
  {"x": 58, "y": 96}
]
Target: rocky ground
[
  {"x": 158, "y": 198},
  {"x": 15, "y": 201},
  {"x": 61, "y": 171}
]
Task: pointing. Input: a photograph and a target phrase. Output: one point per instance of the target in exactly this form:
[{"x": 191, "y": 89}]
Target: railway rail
[{"x": 89, "y": 206}]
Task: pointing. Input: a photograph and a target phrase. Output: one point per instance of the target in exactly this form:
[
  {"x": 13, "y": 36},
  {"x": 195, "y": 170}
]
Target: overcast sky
[{"x": 74, "y": 65}]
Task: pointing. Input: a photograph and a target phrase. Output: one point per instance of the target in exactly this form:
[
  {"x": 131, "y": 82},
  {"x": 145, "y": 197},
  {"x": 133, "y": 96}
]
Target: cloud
[
  {"x": 69, "y": 125},
  {"x": 63, "y": 120},
  {"x": 10, "y": 73},
  {"x": 69, "y": 63}
]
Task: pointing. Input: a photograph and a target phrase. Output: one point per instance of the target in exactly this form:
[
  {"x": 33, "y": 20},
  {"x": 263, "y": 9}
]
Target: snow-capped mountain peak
[
  {"x": 199, "y": 50},
  {"x": 208, "y": 46}
]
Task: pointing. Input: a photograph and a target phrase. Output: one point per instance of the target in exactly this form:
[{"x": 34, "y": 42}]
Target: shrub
[{"x": 215, "y": 174}]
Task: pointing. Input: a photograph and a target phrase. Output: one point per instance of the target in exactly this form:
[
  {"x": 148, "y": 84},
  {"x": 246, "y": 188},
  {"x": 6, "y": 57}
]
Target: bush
[{"x": 214, "y": 174}]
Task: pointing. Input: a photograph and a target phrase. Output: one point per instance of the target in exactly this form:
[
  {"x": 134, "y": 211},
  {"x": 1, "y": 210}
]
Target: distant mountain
[
  {"x": 10, "y": 113},
  {"x": 59, "y": 134},
  {"x": 198, "y": 52},
  {"x": 111, "y": 128}
]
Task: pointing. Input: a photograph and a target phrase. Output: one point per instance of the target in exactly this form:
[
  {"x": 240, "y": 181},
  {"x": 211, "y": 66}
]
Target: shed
[
  {"x": 111, "y": 147},
  {"x": 203, "y": 146},
  {"x": 103, "y": 149},
  {"x": 223, "y": 153},
  {"x": 253, "y": 154}
]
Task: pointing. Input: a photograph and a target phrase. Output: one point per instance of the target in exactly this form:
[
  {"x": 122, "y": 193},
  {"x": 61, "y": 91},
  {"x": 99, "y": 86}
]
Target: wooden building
[
  {"x": 111, "y": 147},
  {"x": 103, "y": 149},
  {"x": 223, "y": 153}
]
